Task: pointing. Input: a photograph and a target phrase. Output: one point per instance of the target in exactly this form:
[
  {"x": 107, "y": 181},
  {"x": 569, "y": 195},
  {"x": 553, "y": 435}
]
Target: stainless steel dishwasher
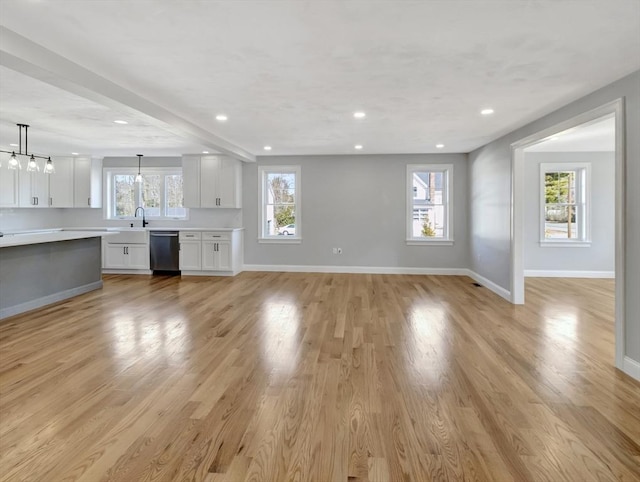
[{"x": 164, "y": 251}]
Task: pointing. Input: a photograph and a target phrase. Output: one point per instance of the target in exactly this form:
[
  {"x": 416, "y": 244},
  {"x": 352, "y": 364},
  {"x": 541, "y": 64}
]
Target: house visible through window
[
  {"x": 564, "y": 215},
  {"x": 160, "y": 193},
  {"x": 428, "y": 203},
  {"x": 280, "y": 202}
]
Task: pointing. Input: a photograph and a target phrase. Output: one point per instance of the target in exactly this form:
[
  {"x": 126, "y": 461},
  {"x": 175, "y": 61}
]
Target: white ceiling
[
  {"x": 592, "y": 137},
  {"x": 291, "y": 73}
]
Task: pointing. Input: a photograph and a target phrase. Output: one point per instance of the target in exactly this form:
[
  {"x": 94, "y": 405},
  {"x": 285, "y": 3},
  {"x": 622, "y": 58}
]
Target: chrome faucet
[{"x": 144, "y": 222}]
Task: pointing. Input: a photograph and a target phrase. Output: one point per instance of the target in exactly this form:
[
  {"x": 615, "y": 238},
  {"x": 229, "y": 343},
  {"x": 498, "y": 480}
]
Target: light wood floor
[{"x": 317, "y": 377}]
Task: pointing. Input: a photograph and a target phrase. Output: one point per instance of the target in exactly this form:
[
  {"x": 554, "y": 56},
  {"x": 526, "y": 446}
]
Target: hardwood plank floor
[{"x": 317, "y": 377}]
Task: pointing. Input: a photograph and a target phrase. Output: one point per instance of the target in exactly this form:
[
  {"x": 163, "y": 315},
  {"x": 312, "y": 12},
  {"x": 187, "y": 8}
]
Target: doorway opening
[{"x": 565, "y": 221}]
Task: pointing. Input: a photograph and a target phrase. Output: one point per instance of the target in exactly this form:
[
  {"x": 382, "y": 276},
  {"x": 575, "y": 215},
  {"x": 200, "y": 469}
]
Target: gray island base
[{"x": 35, "y": 275}]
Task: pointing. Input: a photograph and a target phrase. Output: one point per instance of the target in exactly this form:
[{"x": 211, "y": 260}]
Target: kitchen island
[{"x": 37, "y": 269}]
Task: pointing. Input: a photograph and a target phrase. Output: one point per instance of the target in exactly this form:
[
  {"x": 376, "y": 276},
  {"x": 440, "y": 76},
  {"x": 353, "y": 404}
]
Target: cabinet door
[
  {"x": 33, "y": 189},
  {"x": 82, "y": 183},
  {"x": 61, "y": 184},
  {"x": 115, "y": 256},
  {"x": 223, "y": 256},
  {"x": 8, "y": 184},
  {"x": 190, "y": 253},
  {"x": 138, "y": 256},
  {"x": 228, "y": 183},
  {"x": 208, "y": 181},
  {"x": 40, "y": 185},
  {"x": 208, "y": 255},
  {"x": 191, "y": 181}
]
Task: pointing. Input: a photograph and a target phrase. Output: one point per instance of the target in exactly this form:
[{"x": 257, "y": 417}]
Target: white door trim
[{"x": 615, "y": 108}]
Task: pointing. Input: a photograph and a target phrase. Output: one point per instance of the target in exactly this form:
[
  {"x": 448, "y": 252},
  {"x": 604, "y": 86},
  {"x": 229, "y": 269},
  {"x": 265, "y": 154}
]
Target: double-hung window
[
  {"x": 564, "y": 209},
  {"x": 429, "y": 195},
  {"x": 160, "y": 193},
  {"x": 279, "y": 195}
]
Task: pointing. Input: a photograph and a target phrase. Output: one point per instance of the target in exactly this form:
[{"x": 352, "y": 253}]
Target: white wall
[
  {"x": 490, "y": 180},
  {"x": 357, "y": 203},
  {"x": 600, "y": 256}
]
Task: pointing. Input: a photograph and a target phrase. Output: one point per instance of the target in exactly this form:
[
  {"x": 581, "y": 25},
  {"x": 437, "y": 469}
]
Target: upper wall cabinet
[
  {"x": 61, "y": 184},
  {"x": 33, "y": 187},
  {"x": 8, "y": 184},
  {"x": 87, "y": 183},
  {"x": 212, "y": 182}
]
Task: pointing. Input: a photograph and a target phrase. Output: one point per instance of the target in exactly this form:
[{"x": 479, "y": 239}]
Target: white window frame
[
  {"x": 583, "y": 190},
  {"x": 108, "y": 174},
  {"x": 263, "y": 171},
  {"x": 447, "y": 239}
]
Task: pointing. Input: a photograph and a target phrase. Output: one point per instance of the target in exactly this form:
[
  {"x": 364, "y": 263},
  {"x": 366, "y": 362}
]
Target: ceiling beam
[{"x": 27, "y": 57}]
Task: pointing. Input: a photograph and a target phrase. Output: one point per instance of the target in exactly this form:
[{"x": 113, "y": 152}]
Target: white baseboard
[
  {"x": 499, "y": 290},
  {"x": 49, "y": 299},
  {"x": 631, "y": 367},
  {"x": 125, "y": 271},
  {"x": 356, "y": 269},
  {"x": 543, "y": 273}
]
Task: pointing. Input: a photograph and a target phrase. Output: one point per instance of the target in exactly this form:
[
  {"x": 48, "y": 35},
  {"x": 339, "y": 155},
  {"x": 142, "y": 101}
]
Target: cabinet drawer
[
  {"x": 216, "y": 235},
  {"x": 193, "y": 235}
]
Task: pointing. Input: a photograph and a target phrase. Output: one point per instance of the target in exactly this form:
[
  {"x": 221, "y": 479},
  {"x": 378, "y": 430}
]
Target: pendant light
[
  {"x": 32, "y": 165},
  {"x": 139, "y": 176},
  {"x": 14, "y": 162}
]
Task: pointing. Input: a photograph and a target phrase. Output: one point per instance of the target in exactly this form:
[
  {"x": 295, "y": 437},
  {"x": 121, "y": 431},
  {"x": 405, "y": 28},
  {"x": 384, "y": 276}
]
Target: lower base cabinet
[
  {"x": 210, "y": 252},
  {"x": 126, "y": 256}
]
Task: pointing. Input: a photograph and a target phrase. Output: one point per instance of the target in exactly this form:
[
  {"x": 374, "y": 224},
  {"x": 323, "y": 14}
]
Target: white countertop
[{"x": 50, "y": 236}]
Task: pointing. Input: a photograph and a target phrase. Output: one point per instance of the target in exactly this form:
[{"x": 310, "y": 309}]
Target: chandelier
[{"x": 32, "y": 164}]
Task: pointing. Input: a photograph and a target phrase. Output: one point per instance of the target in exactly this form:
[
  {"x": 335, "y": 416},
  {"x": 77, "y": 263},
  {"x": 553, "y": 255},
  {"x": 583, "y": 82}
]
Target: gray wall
[
  {"x": 490, "y": 177},
  {"x": 357, "y": 203},
  {"x": 600, "y": 256}
]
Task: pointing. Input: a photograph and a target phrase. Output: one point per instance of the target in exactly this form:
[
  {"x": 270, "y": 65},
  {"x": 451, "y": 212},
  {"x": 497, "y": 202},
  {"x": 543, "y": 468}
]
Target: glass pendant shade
[
  {"x": 48, "y": 167},
  {"x": 32, "y": 166},
  {"x": 139, "y": 178},
  {"x": 14, "y": 162}
]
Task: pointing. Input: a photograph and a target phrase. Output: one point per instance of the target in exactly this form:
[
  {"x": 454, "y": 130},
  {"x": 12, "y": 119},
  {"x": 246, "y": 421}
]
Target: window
[
  {"x": 160, "y": 193},
  {"x": 279, "y": 194},
  {"x": 564, "y": 209},
  {"x": 429, "y": 204}
]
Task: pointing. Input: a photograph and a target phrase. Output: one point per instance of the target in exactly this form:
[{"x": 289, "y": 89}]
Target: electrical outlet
[
  {"x": 335, "y": 250},
  {"x": 339, "y": 250}
]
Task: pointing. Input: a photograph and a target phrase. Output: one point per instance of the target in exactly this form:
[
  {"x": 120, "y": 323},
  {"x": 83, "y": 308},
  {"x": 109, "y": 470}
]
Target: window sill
[
  {"x": 430, "y": 242},
  {"x": 565, "y": 244},
  {"x": 280, "y": 240}
]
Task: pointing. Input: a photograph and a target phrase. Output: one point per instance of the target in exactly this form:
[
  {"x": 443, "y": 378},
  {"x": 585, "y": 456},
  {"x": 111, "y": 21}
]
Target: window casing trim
[
  {"x": 448, "y": 238},
  {"x": 107, "y": 188},
  {"x": 583, "y": 190},
  {"x": 263, "y": 171}
]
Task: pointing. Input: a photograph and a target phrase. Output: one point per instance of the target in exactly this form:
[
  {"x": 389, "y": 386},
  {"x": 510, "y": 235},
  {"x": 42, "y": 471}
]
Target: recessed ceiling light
[
  {"x": 221, "y": 117},
  {"x": 13, "y": 145},
  {"x": 267, "y": 148},
  {"x": 486, "y": 111},
  {"x": 120, "y": 122},
  {"x": 74, "y": 153},
  {"x": 358, "y": 146},
  {"x": 205, "y": 152},
  {"x": 359, "y": 115},
  {"x": 439, "y": 146}
]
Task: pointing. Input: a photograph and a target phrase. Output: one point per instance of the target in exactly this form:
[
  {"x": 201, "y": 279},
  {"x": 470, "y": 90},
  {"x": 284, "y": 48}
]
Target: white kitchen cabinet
[
  {"x": 216, "y": 255},
  {"x": 61, "y": 184},
  {"x": 211, "y": 252},
  {"x": 8, "y": 184},
  {"x": 212, "y": 181},
  {"x": 33, "y": 187},
  {"x": 87, "y": 183},
  {"x": 190, "y": 251},
  {"x": 126, "y": 256}
]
